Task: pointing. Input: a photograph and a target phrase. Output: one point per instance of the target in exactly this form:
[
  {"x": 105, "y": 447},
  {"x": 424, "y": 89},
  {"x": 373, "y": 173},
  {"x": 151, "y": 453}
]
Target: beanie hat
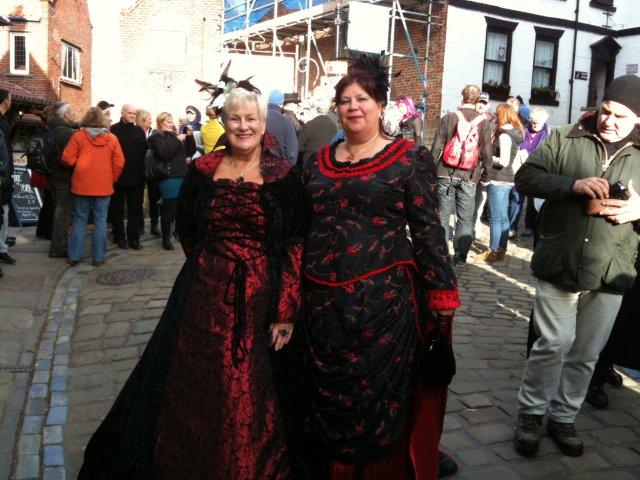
[
  {"x": 276, "y": 97},
  {"x": 3, "y": 94},
  {"x": 626, "y": 91}
]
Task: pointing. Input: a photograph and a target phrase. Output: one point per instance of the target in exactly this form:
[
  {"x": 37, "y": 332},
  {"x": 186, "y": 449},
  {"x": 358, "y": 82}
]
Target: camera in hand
[{"x": 618, "y": 191}]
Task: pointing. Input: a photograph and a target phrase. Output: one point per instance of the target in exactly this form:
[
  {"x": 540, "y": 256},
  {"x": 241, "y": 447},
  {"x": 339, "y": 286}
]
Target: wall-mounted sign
[
  {"x": 368, "y": 27},
  {"x": 632, "y": 68},
  {"x": 581, "y": 75}
]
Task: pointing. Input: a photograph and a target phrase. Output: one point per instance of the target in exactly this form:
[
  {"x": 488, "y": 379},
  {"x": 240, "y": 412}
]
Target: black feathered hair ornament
[{"x": 373, "y": 65}]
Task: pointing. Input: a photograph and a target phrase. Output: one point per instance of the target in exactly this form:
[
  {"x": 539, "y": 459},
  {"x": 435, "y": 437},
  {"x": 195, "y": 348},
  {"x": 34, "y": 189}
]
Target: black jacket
[
  {"x": 134, "y": 146},
  {"x": 498, "y": 172},
  {"x": 167, "y": 148},
  {"x": 446, "y": 129},
  {"x": 6, "y": 190},
  {"x": 61, "y": 135}
]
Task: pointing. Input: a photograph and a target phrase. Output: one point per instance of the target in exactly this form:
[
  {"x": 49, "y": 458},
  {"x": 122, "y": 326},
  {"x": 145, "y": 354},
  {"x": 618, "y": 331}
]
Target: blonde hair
[
  {"x": 141, "y": 115},
  {"x": 470, "y": 94},
  {"x": 240, "y": 96},
  {"x": 95, "y": 117},
  {"x": 514, "y": 103},
  {"x": 161, "y": 118}
]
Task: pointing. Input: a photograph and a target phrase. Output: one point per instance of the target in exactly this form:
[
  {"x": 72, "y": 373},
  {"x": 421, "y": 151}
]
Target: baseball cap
[
  {"x": 103, "y": 105},
  {"x": 484, "y": 97}
]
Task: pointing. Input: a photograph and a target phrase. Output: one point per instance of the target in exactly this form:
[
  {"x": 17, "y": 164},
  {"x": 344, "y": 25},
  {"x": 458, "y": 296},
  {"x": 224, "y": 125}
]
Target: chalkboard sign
[{"x": 26, "y": 201}]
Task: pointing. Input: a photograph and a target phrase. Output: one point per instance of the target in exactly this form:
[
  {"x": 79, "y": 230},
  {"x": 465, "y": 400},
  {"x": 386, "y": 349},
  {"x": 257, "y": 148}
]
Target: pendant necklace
[
  {"x": 241, "y": 175},
  {"x": 352, "y": 155}
]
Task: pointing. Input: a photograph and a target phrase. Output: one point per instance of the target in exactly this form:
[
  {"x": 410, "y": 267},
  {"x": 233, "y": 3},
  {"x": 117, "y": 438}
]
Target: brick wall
[
  {"x": 158, "y": 69},
  {"x": 66, "y": 20},
  {"x": 69, "y": 22}
]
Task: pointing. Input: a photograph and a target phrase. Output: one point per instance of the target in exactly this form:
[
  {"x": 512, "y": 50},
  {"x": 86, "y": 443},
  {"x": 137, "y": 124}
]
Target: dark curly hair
[{"x": 370, "y": 72}]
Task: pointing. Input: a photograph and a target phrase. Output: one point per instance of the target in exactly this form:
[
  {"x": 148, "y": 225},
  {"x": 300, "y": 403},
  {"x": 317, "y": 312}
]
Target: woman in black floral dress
[{"x": 372, "y": 293}]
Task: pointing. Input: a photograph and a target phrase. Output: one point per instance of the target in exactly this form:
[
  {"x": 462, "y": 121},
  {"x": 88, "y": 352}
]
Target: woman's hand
[
  {"x": 182, "y": 136},
  {"x": 280, "y": 334}
]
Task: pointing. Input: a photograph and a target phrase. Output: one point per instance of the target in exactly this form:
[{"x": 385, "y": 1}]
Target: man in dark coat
[
  {"x": 130, "y": 185},
  {"x": 6, "y": 190},
  {"x": 317, "y": 132},
  {"x": 5, "y": 173},
  {"x": 61, "y": 122}
]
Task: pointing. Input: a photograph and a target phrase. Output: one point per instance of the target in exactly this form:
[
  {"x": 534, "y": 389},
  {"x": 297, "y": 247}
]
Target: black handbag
[
  {"x": 155, "y": 169},
  {"x": 436, "y": 362}
]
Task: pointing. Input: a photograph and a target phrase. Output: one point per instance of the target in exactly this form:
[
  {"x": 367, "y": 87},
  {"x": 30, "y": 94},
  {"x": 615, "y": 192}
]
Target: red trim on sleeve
[{"x": 443, "y": 299}]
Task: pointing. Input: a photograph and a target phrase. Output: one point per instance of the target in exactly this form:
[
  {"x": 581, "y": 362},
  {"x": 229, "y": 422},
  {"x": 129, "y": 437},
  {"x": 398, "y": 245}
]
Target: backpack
[
  {"x": 462, "y": 151},
  {"x": 40, "y": 153}
]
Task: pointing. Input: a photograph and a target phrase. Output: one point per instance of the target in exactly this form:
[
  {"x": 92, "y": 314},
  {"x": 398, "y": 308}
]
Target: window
[
  {"x": 496, "y": 64},
  {"x": 497, "y": 58},
  {"x": 545, "y": 65},
  {"x": 19, "y": 54},
  {"x": 70, "y": 70}
]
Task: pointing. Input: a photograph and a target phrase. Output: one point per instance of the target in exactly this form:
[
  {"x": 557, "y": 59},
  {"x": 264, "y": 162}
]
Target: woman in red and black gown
[
  {"x": 372, "y": 293},
  {"x": 205, "y": 402}
]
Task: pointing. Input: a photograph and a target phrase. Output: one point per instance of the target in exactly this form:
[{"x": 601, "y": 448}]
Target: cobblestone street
[{"x": 99, "y": 320}]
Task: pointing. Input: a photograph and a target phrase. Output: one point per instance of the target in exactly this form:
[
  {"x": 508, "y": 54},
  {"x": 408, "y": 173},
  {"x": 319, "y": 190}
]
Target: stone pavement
[{"x": 99, "y": 320}]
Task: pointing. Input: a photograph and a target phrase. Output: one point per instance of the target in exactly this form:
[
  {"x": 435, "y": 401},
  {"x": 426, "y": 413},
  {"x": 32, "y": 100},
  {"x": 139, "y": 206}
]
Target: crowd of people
[{"x": 307, "y": 335}]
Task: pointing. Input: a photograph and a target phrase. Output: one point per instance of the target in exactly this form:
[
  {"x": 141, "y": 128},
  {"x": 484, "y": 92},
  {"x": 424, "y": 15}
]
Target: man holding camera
[{"x": 583, "y": 260}]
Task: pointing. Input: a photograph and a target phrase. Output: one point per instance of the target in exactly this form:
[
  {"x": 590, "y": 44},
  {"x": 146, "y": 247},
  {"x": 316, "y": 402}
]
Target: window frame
[
  {"x": 495, "y": 25},
  {"x": 552, "y": 36},
  {"x": 12, "y": 53},
  {"x": 63, "y": 56}
]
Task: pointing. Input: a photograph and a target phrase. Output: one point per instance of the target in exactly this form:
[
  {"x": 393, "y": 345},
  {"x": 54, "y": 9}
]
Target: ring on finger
[{"x": 283, "y": 332}]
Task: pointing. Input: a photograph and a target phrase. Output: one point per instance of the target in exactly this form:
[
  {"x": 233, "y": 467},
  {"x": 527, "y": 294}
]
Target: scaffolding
[{"x": 265, "y": 26}]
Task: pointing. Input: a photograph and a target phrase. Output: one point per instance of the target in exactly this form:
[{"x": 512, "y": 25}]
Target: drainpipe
[{"x": 573, "y": 59}]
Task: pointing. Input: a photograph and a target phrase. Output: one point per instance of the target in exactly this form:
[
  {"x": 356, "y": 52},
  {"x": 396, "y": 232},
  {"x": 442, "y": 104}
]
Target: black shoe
[
  {"x": 459, "y": 262},
  {"x": 73, "y": 263},
  {"x": 10, "y": 241},
  {"x": 122, "y": 243},
  {"x": 167, "y": 245},
  {"x": 613, "y": 378},
  {"x": 446, "y": 465},
  {"x": 135, "y": 244},
  {"x": 58, "y": 255},
  {"x": 154, "y": 231},
  {"x": 6, "y": 258},
  {"x": 528, "y": 433},
  {"x": 97, "y": 264},
  {"x": 566, "y": 438},
  {"x": 1, "y": 274},
  {"x": 597, "y": 397}
]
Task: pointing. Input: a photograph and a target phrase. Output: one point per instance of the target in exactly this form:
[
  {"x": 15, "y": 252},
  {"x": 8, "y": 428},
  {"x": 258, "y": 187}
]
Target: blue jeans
[
  {"x": 516, "y": 202},
  {"x": 458, "y": 197},
  {"x": 498, "y": 200},
  {"x": 82, "y": 206}
]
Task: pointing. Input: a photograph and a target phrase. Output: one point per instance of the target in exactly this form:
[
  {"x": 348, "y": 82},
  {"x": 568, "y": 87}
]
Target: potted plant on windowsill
[
  {"x": 496, "y": 90},
  {"x": 544, "y": 96}
]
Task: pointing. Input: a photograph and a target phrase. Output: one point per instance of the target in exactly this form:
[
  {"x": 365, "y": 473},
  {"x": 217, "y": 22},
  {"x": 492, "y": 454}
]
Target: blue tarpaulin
[{"x": 237, "y": 16}]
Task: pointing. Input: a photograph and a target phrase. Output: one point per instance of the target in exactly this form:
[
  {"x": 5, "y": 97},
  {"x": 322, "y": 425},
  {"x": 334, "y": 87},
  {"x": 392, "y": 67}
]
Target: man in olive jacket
[
  {"x": 583, "y": 263},
  {"x": 62, "y": 124}
]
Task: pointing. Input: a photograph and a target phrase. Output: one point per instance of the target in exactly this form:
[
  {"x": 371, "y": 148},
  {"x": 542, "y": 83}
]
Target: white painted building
[{"x": 556, "y": 53}]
